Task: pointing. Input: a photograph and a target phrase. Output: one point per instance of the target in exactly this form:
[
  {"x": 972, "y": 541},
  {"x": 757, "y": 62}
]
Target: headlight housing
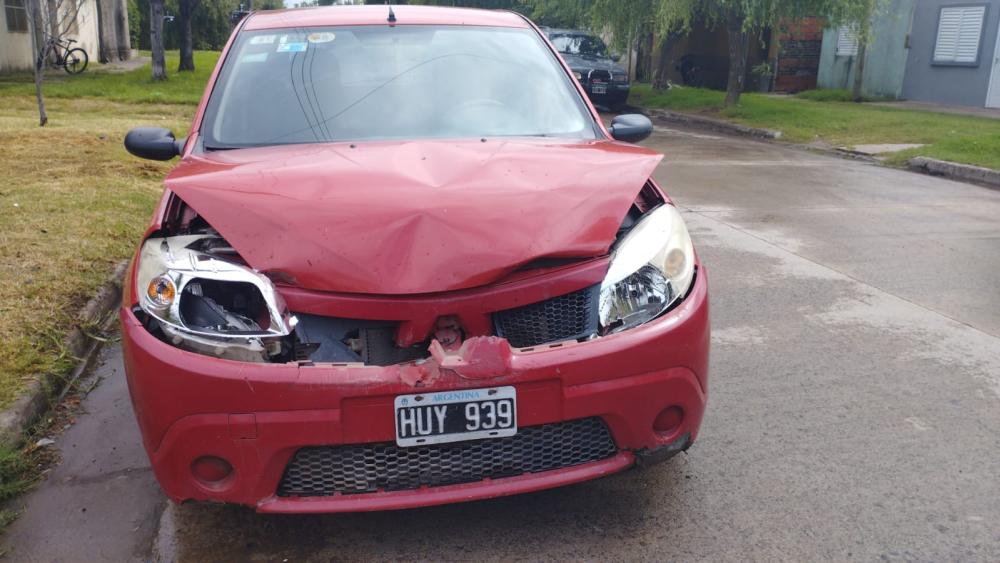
[
  {"x": 210, "y": 305},
  {"x": 620, "y": 78},
  {"x": 578, "y": 74},
  {"x": 652, "y": 267}
]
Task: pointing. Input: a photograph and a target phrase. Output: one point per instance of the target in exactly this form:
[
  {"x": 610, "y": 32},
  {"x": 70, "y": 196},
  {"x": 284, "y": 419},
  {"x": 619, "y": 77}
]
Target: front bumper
[
  {"x": 615, "y": 93},
  {"x": 256, "y": 416}
]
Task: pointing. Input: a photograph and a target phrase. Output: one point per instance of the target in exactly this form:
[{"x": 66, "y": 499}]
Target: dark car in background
[{"x": 605, "y": 81}]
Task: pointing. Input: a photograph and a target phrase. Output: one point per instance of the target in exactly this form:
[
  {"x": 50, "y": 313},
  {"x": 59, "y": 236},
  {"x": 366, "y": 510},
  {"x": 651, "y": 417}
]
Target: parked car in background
[
  {"x": 390, "y": 272},
  {"x": 605, "y": 81}
]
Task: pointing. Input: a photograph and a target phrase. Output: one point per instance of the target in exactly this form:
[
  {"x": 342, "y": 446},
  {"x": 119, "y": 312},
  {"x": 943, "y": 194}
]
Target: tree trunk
[
  {"x": 859, "y": 71},
  {"x": 43, "y": 116},
  {"x": 185, "y": 10},
  {"x": 156, "y": 39},
  {"x": 859, "y": 64},
  {"x": 662, "y": 72},
  {"x": 53, "y": 10},
  {"x": 643, "y": 58},
  {"x": 739, "y": 45}
]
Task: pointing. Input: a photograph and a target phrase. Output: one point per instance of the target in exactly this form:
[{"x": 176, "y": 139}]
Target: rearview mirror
[
  {"x": 631, "y": 127},
  {"x": 154, "y": 143}
]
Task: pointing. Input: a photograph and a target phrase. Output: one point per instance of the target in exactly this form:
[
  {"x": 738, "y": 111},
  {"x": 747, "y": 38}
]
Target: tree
[
  {"x": 860, "y": 16},
  {"x": 48, "y": 24},
  {"x": 740, "y": 18},
  {"x": 185, "y": 12},
  {"x": 559, "y": 13},
  {"x": 624, "y": 20},
  {"x": 156, "y": 15},
  {"x": 746, "y": 19}
]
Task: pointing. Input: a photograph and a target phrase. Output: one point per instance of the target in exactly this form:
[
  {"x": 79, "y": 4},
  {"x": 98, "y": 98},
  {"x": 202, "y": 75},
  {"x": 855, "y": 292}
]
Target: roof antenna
[{"x": 392, "y": 16}]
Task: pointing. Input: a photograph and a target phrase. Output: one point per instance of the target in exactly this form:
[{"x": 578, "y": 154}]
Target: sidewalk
[
  {"x": 125, "y": 66},
  {"x": 991, "y": 113},
  {"x": 101, "y": 503}
]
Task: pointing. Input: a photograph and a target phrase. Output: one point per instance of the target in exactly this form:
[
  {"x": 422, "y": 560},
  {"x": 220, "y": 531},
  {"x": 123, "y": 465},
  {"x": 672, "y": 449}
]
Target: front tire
[{"x": 76, "y": 61}]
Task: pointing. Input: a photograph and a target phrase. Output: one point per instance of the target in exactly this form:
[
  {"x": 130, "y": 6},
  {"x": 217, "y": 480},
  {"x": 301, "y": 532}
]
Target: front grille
[
  {"x": 365, "y": 468},
  {"x": 566, "y": 317},
  {"x": 599, "y": 76}
]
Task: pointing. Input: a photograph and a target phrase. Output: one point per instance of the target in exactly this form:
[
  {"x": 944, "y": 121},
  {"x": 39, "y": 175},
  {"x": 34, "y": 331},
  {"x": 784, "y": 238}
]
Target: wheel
[{"x": 76, "y": 61}]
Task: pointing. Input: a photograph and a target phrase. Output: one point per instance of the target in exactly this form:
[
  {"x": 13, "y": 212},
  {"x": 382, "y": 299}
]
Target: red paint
[
  {"x": 479, "y": 358},
  {"x": 183, "y": 400},
  {"x": 413, "y": 232},
  {"x": 414, "y": 217}
]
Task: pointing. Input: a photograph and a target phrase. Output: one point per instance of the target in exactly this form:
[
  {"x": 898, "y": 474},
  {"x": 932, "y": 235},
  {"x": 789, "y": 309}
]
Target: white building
[{"x": 99, "y": 27}]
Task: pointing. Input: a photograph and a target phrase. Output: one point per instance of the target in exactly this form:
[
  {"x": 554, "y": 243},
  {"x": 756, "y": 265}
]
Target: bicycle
[{"x": 72, "y": 59}]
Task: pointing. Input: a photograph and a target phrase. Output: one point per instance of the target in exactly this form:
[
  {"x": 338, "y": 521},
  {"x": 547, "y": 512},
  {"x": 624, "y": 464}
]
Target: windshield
[
  {"x": 307, "y": 85},
  {"x": 579, "y": 44}
]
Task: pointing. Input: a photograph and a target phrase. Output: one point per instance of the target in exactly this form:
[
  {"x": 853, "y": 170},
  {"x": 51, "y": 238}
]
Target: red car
[{"x": 402, "y": 263}]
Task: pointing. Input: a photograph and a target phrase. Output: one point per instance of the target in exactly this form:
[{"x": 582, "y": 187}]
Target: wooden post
[{"x": 156, "y": 12}]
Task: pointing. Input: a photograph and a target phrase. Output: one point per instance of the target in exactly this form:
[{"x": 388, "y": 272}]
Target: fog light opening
[
  {"x": 211, "y": 471},
  {"x": 668, "y": 422}
]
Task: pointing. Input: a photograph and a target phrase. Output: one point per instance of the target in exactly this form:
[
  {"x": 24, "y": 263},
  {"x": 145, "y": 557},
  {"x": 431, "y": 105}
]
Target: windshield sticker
[
  {"x": 254, "y": 58},
  {"x": 292, "y": 47},
  {"x": 263, "y": 39},
  {"x": 321, "y": 37}
]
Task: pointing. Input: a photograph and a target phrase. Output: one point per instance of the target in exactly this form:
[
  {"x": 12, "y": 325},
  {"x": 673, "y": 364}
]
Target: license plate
[
  {"x": 455, "y": 416},
  {"x": 599, "y": 89}
]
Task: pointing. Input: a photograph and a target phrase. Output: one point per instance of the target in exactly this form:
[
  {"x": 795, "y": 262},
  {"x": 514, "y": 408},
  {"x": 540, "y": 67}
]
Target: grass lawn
[
  {"x": 72, "y": 201},
  {"x": 820, "y": 116},
  {"x": 131, "y": 87}
]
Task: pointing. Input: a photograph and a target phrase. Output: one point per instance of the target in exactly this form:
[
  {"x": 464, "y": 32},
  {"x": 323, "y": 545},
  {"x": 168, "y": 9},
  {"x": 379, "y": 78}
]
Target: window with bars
[
  {"x": 960, "y": 29},
  {"x": 847, "y": 41},
  {"x": 16, "y": 14}
]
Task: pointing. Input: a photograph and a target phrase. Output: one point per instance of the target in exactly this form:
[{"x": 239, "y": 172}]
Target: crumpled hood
[{"x": 414, "y": 217}]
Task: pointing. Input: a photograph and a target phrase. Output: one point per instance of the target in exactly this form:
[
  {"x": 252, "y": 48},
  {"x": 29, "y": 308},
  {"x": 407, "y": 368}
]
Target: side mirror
[
  {"x": 631, "y": 127},
  {"x": 154, "y": 143},
  {"x": 616, "y": 57}
]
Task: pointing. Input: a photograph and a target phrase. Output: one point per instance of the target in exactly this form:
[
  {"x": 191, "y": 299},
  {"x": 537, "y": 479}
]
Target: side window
[
  {"x": 847, "y": 41},
  {"x": 960, "y": 29},
  {"x": 17, "y": 16}
]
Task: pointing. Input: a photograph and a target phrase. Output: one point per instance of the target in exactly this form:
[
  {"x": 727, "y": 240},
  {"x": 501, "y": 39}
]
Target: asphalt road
[{"x": 854, "y": 407}]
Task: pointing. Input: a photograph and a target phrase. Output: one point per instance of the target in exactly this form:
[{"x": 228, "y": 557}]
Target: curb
[
  {"x": 164, "y": 548},
  {"x": 954, "y": 171},
  {"x": 713, "y": 124},
  {"x": 33, "y": 401}
]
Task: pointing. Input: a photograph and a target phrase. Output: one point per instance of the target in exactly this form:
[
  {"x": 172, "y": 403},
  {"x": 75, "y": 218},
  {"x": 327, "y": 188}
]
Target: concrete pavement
[
  {"x": 102, "y": 502},
  {"x": 854, "y": 407}
]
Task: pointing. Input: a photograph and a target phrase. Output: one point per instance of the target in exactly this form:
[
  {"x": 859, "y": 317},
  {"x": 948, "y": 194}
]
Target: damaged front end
[{"x": 198, "y": 293}]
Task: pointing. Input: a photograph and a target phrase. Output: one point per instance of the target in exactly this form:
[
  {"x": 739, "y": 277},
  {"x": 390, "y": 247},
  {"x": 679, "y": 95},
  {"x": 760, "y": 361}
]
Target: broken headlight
[
  {"x": 652, "y": 266},
  {"x": 210, "y": 305}
]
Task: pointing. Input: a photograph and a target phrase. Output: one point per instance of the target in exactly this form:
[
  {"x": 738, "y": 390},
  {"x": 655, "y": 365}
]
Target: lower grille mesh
[{"x": 364, "y": 468}]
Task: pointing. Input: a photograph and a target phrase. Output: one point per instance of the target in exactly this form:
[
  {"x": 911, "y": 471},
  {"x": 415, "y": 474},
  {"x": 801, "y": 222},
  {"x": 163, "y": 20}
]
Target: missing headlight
[
  {"x": 224, "y": 307},
  {"x": 206, "y": 303}
]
